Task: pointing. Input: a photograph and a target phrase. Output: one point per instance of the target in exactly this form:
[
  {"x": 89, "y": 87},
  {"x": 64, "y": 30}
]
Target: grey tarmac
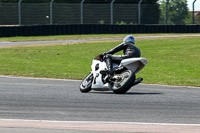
[{"x": 41, "y": 99}]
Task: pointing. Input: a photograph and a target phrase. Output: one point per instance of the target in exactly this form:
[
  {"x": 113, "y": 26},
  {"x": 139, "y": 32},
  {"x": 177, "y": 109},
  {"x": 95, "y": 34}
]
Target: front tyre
[
  {"x": 86, "y": 84},
  {"x": 124, "y": 82}
]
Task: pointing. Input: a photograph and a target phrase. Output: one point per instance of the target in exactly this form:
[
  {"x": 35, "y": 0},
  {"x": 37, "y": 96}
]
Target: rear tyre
[
  {"x": 86, "y": 84},
  {"x": 124, "y": 82}
]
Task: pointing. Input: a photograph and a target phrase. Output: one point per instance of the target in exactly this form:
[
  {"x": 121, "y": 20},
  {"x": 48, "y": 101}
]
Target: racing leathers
[{"x": 129, "y": 49}]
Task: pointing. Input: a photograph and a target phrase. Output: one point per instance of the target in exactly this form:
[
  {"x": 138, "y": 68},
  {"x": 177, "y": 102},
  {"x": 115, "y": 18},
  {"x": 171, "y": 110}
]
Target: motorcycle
[{"x": 123, "y": 77}]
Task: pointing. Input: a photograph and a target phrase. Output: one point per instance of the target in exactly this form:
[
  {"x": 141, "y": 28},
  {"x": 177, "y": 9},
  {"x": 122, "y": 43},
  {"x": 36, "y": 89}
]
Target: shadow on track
[
  {"x": 143, "y": 93},
  {"x": 129, "y": 93}
]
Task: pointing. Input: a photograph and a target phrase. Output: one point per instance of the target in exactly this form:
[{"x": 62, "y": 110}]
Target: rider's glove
[{"x": 101, "y": 56}]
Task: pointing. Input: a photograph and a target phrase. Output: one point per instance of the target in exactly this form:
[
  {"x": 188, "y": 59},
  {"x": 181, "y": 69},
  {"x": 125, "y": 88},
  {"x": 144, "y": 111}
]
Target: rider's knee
[{"x": 107, "y": 56}]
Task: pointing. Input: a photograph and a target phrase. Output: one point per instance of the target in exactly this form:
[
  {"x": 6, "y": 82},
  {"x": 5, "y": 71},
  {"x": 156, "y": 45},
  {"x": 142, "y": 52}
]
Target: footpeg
[{"x": 138, "y": 80}]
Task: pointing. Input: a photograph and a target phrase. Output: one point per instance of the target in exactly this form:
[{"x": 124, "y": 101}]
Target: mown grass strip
[{"x": 170, "y": 61}]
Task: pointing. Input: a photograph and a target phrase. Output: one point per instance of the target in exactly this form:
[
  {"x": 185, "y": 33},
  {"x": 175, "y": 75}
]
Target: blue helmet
[{"x": 129, "y": 38}]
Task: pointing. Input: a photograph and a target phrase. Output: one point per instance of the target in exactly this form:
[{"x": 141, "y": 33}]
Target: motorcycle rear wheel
[
  {"x": 86, "y": 84},
  {"x": 124, "y": 83}
]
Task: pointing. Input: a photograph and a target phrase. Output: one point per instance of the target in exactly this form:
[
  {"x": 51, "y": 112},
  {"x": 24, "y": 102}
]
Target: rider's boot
[{"x": 109, "y": 75}]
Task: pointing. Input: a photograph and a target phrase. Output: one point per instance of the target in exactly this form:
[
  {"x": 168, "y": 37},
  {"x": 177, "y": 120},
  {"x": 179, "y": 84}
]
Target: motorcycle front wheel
[
  {"x": 124, "y": 82},
  {"x": 86, "y": 84}
]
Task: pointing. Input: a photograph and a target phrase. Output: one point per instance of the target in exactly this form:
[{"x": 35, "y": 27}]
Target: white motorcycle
[{"x": 123, "y": 77}]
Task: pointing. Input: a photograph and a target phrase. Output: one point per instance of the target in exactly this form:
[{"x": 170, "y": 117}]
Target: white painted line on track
[
  {"x": 73, "y": 80},
  {"x": 42, "y": 78},
  {"x": 101, "y": 126},
  {"x": 109, "y": 122},
  {"x": 31, "y": 84}
]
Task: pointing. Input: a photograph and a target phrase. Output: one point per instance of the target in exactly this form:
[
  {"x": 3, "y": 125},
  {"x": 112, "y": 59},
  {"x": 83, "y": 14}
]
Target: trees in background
[{"x": 178, "y": 12}]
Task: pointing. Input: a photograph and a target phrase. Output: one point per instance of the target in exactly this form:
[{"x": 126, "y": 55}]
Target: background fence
[
  {"x": 89, "y": 13},
  {"x": 77, "y": 13},
  {"x": 22, "y": 13}
]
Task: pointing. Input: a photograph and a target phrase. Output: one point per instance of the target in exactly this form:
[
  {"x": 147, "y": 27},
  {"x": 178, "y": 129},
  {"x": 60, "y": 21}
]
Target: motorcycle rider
[{"x": 129, "y": 48}]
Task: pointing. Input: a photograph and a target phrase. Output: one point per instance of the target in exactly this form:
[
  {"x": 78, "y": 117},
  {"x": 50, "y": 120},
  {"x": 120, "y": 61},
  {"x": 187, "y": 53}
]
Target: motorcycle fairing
[
  {"x": 134, "y": 64},
  {"x": 97, "y": 83}
]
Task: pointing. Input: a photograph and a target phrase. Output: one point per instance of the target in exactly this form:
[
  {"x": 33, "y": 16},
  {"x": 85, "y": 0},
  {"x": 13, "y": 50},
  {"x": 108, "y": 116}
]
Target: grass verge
[
  {"x": 170, "y": 61},
  {"x": 73, "y": 37}
]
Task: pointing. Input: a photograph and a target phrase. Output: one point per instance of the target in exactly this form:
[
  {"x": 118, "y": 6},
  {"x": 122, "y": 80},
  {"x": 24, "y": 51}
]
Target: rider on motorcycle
[{"x": 129, "y": 48}]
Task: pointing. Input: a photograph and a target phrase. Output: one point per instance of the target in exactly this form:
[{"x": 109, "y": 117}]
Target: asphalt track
[
  {"x": 60, "y": 100},
  {"x": 87, "y": 40}
]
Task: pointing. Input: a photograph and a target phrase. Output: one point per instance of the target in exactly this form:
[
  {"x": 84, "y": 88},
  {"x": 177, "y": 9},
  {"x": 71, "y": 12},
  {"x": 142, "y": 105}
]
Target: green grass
[
  {"x": 71, "y": 37},
  {"x": 173, "y": 61}
]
